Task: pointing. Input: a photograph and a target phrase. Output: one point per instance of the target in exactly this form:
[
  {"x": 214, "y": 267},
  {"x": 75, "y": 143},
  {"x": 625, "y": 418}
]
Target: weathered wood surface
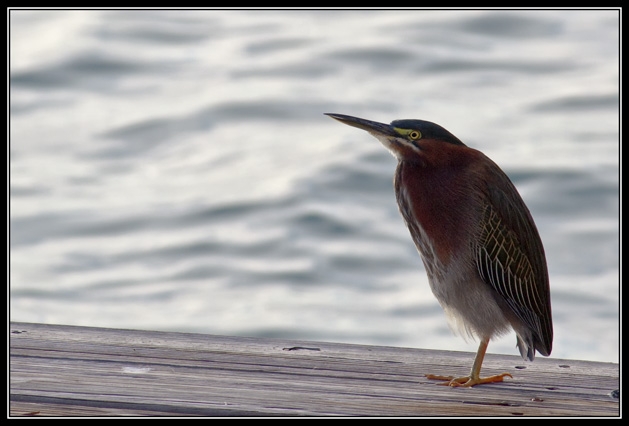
[{"x": 82, "y": 371}]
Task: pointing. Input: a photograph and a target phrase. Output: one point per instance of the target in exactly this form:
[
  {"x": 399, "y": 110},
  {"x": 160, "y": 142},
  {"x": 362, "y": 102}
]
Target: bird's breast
[{"x": 439, "y": 209}]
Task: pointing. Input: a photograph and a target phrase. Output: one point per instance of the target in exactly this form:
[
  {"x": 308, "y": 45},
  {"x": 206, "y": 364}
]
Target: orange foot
[{"x": 467, "y": 381}]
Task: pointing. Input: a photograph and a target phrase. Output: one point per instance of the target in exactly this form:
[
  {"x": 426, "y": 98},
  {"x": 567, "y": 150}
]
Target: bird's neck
[{"x": 432, "y": 201}]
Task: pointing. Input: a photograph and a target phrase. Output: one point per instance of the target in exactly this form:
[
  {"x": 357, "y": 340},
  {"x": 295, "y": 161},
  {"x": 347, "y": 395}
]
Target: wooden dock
[{"x": 60, "y": 370}]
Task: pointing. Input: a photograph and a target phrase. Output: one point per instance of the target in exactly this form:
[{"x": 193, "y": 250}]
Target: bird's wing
[{"x": 510, "y": 257}]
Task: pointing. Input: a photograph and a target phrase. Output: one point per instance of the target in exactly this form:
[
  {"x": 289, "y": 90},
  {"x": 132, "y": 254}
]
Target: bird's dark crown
[{"x": 428, "y": 130}]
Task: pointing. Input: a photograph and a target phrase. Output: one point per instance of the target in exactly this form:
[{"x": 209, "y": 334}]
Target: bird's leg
[{"x": 474, "y": 377}]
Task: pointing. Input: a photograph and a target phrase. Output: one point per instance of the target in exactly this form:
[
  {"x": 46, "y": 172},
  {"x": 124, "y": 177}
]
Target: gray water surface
[{"x": 173, "y": 170}]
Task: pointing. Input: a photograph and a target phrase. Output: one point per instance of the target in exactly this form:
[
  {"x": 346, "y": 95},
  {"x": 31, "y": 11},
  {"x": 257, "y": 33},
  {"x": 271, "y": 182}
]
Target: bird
[{"x": 480, "y": 247}]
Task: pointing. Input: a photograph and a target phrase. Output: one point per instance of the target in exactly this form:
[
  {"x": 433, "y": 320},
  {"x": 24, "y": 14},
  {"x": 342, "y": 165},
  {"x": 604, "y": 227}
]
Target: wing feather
[{"x": 510, "y": 257}]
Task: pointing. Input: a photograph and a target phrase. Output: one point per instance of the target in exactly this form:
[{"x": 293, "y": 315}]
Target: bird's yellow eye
[
  {"x": 410, "y": 134},
  {"x": 414, "y": 135}
]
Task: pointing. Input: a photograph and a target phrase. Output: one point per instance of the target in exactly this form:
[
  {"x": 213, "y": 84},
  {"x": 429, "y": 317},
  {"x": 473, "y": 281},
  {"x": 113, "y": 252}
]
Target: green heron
[{"x": 476, "y": 237}]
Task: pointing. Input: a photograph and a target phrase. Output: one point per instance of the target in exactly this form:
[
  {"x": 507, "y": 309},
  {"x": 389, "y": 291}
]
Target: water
[{"x": 173, "y": 170}]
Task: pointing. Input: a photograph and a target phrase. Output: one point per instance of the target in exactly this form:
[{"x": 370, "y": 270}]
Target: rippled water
[{"x": 173, "y": 170}]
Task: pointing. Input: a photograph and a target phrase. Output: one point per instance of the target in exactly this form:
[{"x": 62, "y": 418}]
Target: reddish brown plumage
[{"x": 439, "y": 186}]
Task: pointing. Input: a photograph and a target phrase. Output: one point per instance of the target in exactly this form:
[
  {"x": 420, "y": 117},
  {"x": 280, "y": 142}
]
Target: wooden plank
[{"x": 82, "y": 371}]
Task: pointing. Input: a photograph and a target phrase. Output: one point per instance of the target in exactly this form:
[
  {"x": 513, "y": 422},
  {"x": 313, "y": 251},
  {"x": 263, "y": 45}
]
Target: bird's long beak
[{"x": 373, "y": 127}]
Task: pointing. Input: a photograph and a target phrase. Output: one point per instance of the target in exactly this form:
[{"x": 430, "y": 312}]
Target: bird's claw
[{"x": 467, "y": 381}]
